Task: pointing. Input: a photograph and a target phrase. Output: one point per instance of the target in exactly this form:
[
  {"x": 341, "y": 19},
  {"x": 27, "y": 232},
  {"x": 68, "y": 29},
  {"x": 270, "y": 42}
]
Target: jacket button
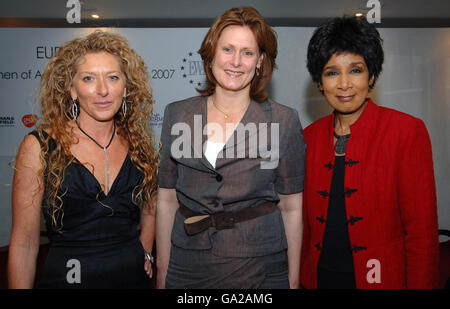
[
  {"x": 352, "y": 220},
  {"x": 348, "y": 192},
  {"x": 356, "y": 248},
  {"x": 219, "y": 177},
  {"x": 324, "y": 193},
  {"x": 350, "y": 162},
  {"x": 321, "y": 219}
]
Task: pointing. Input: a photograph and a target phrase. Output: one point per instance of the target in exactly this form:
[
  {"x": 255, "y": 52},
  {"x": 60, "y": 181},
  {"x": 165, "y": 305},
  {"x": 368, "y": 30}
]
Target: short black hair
[{"x": 345, "y": 34}]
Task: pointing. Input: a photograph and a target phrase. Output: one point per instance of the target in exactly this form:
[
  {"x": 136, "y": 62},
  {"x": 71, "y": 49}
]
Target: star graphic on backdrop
[{"x": 190, "y": 69}]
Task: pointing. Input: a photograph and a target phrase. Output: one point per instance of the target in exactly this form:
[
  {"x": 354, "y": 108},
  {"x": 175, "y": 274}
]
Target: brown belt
[{"x": 196, "y": 222}]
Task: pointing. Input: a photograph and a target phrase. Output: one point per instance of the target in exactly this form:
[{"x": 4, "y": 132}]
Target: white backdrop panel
[{"x": 415, "y": 80}]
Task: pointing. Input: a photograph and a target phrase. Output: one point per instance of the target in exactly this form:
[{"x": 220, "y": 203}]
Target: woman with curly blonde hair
[{"x": 90, "y": 165}]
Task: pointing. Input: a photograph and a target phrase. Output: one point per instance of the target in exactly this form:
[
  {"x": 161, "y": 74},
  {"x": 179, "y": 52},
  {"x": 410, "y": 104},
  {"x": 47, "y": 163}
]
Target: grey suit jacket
[{"x": 246, "y": 174}]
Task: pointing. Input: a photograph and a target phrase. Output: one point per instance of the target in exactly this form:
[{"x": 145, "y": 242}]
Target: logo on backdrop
[
  {"x": 29, "y": 120},
  {"x": 192, "y": 71},
  {"x": 7, "y": 121},
  {"x": 156, "y": 120}
]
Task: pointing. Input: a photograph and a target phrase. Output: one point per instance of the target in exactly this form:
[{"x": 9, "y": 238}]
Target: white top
[{"x": 212, "y": 150}]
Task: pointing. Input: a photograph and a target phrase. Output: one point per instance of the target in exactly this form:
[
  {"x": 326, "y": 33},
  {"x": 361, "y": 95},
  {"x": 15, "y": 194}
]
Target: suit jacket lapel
[
  {"x": 248, "y": 127},
  {"x": 197, "y": 121},
  {"x": 255, "y": 114}
]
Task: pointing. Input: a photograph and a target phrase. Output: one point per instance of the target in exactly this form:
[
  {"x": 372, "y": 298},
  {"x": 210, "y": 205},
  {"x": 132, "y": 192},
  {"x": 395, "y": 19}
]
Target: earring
[
  {"x": 124, "y": 108},
  {"x": 74, "y": 109},
  {"x": 319, "y": 86},
  {"x": 257, "y": 71}
]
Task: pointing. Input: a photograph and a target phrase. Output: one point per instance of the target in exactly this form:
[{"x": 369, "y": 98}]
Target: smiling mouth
[
  {"x": 345, "y": 98},
  {"x": 233, "y": 73}
]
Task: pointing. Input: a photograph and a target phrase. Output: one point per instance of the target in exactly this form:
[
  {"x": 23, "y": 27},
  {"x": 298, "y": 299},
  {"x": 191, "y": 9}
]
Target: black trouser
[{"x": 335, "y": 280}]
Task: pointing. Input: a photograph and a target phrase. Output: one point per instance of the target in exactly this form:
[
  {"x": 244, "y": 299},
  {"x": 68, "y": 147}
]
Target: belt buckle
[
  {"x": 195, "y": 219},
  {"x": 222, "y": 220}
]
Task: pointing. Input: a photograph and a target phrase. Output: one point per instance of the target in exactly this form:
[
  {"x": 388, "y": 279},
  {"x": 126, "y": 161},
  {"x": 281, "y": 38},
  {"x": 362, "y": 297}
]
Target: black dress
[{"x": 97, "y": 245}]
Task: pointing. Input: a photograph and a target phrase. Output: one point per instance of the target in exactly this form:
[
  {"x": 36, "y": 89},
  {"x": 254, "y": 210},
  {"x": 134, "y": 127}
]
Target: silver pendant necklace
[{"x": 104, "y": 150}]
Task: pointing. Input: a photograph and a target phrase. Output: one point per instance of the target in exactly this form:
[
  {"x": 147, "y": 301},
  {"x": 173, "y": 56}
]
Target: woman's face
[
  {"x": 345, "y": 82},
  {"x": 236, "y": 58},
  {"x": 99, "y": 86}
]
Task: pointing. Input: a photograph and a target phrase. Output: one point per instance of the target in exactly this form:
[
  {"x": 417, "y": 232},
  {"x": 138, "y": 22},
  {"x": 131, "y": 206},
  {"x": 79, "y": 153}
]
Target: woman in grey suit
[{"x": 232, "y": 167}]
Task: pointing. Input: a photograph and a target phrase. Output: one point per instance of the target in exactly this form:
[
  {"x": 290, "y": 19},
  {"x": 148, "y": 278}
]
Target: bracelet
[{"x": 149, "y": 256}]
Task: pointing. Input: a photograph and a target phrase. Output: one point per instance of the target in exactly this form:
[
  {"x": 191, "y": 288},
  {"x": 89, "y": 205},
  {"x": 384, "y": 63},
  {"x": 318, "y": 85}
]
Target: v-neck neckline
[
  {"x": 232, "y": 135},
  {"x": 95, "y": 178},
  {"x": 127, "y": 157}
]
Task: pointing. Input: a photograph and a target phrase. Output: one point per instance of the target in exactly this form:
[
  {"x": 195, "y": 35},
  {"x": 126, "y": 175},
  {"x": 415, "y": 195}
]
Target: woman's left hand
[{"x": 148, "y": 268}]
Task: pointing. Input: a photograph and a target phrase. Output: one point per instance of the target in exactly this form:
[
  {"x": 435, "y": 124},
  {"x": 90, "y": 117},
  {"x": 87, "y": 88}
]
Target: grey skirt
[{"x": 200, "y": 269}]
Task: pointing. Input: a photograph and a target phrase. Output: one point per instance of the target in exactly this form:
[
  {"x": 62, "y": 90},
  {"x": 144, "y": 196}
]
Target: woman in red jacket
[{"x": 370, "y": 218}]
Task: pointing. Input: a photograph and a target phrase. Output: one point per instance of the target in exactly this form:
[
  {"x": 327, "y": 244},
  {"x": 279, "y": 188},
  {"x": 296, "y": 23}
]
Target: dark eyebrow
[
  {"x": 329, "y": 67},
  {"x": 358, "y": 62},
  {"x": 352, "y": 64}
]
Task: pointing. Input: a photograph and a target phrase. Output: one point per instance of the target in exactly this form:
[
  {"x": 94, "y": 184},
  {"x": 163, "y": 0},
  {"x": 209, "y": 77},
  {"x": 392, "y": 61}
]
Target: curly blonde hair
[{"x": 56, "y": 102}]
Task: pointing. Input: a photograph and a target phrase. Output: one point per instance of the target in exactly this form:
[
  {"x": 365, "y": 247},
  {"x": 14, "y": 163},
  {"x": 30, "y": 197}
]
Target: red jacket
[{"x": 390, "y": 200}]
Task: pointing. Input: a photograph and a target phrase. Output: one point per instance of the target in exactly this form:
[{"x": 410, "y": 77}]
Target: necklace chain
[
  {"x": 104, "y": 150},
  {"x": 227, "y": 115},
  {"x": 98, "y": 144}
]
